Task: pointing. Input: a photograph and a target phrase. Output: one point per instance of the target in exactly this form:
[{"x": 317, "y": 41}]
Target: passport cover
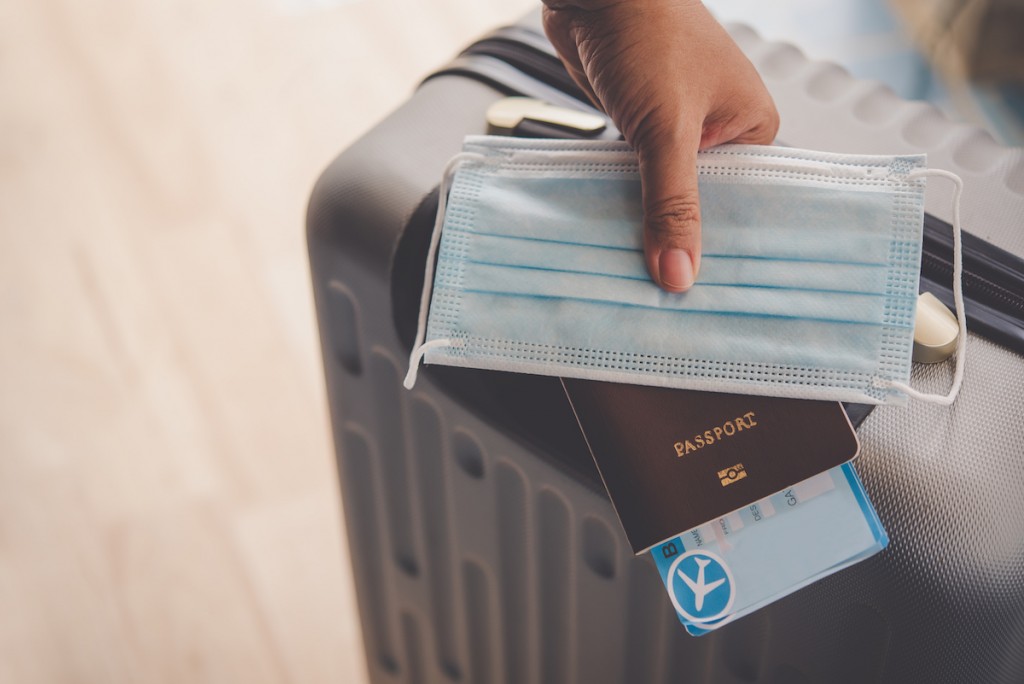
[{"x": 674, "y": 459}]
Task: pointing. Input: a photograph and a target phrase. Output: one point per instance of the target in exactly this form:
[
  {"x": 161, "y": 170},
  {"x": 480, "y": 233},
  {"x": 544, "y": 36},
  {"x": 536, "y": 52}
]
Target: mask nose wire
[
  {"x": 419, "y": 348},
  {"x": 958, "y": 296}
]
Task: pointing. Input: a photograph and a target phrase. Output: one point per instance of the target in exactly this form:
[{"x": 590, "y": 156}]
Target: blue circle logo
[{"x": 701, "y": 586}]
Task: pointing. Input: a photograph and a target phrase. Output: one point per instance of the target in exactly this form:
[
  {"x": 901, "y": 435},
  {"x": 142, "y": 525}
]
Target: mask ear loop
[
  {"x": 958, "y": 296},
  {"x": 419, "y": 347}
]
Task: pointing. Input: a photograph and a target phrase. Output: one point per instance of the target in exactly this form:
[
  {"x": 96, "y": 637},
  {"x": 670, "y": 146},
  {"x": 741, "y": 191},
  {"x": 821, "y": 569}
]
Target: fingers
[
  {"x": 757, "y": 124},
  {"x": 671, "y": 198},
  {"x": 673, "y": 81},
  {"x": 558, "y": 25},
  {"x": 668, "y": 175}
]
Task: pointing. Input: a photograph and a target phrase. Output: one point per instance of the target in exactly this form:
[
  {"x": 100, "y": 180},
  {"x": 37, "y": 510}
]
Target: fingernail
[{"x": 676, "y": 269}]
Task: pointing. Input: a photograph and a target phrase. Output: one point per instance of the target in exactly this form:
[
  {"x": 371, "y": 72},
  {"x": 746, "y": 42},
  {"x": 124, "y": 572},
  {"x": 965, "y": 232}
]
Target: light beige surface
[{"x": 168, "y": 506}]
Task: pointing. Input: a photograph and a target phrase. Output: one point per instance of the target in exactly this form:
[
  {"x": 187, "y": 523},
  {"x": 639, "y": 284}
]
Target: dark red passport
[{"x": 672, "y": 459}]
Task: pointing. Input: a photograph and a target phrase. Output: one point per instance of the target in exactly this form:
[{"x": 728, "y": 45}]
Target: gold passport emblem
[{"x": 732, "y": 474}]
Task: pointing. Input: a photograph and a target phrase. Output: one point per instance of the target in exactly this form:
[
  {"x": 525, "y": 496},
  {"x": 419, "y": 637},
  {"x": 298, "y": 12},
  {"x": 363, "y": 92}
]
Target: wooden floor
[{"x": 168, "y": 506}]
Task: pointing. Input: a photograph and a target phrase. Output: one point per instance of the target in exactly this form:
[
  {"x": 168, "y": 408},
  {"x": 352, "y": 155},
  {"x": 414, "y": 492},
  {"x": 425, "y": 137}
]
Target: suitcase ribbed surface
[{"x": 478, "y": 559}]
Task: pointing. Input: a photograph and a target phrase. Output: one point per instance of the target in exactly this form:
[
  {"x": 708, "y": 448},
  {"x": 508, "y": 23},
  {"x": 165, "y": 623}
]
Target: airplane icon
[{"x": 700, "y": 588}]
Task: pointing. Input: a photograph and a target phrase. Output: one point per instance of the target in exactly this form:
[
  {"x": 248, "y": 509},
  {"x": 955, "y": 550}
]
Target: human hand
[{"x": 674, "y": 82}]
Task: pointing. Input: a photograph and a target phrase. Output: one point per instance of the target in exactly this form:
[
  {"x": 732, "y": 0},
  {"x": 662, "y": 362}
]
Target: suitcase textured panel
[{"x": 483, "y": 545}]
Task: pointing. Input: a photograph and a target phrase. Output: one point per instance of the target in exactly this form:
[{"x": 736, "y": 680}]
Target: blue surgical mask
[{"x": 808, "y": 283}]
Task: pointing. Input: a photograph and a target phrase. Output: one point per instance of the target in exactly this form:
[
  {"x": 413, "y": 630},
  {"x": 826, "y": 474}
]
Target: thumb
[{"x": 668, "y": 175}]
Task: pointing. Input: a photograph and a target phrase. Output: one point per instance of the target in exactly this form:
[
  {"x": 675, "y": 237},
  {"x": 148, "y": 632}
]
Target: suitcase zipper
[
  {"x": 993, "y": 282},
  {"x": 531, "y": 54},
  {"x": 993, "y": 279}
]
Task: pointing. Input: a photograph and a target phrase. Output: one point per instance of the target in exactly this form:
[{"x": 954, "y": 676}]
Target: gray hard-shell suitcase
[{"x": 484, "y": 547}]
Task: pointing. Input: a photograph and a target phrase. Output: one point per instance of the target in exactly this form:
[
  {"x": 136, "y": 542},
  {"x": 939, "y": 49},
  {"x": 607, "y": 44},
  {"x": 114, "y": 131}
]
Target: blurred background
[{"x": 168, "y": 502}]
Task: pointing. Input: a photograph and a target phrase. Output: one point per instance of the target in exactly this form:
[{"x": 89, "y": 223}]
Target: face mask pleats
[{"x": 807, "y": 287}]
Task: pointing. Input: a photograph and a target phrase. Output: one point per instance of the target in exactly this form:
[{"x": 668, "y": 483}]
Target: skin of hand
[{"x": 674, "y": 82}]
